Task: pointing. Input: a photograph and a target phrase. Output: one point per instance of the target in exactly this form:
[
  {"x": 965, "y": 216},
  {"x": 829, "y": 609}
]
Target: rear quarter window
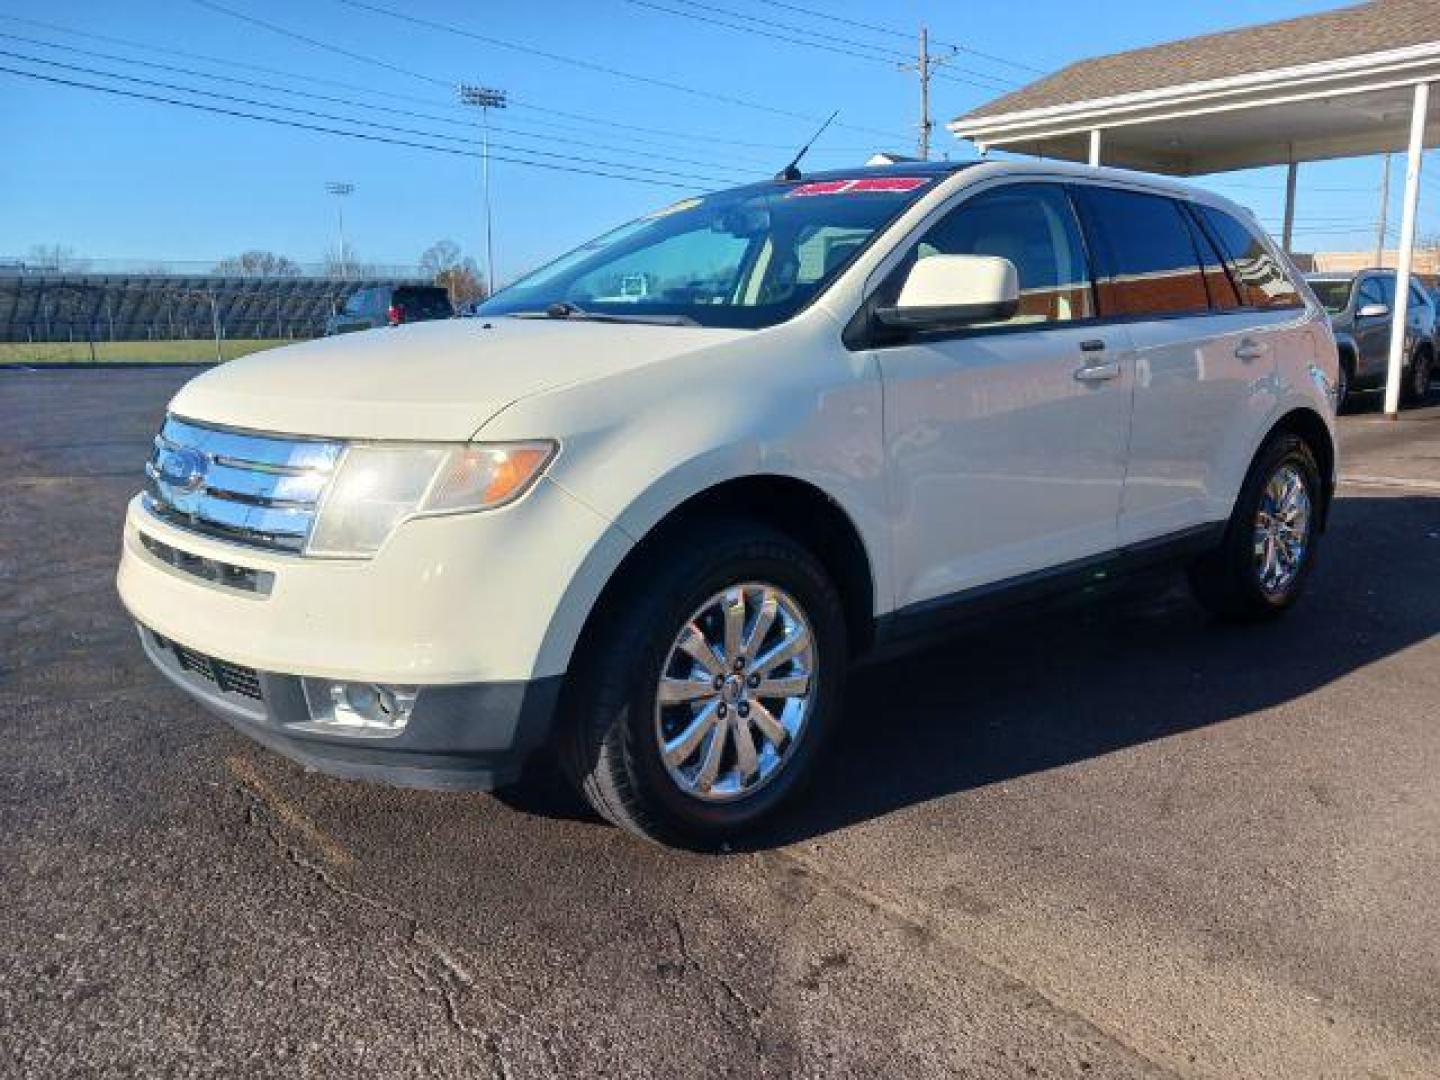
[{"x": 1261, "y": 279}]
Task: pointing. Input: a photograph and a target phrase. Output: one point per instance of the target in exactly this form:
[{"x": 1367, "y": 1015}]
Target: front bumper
[{"x": 469, "y": 736}]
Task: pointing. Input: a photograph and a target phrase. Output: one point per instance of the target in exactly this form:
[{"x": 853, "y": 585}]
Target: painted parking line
[{"x": 1400, "y": 483}]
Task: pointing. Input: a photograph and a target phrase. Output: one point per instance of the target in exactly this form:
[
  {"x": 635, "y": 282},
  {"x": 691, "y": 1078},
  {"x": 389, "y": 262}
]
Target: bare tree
[
  {"x": 346, "y": 263},
  {"x": 56, "y": 258},
  {"x": 258, "y": 264},
  {"x": 445, "y": 265}
]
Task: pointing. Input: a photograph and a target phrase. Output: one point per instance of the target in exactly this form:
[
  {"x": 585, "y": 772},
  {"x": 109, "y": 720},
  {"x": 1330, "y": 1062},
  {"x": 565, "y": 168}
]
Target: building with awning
[{"x": 1346, "y": 83}]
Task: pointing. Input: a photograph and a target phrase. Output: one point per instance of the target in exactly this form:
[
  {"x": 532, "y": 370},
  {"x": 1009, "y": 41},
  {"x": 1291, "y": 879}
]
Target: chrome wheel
[
  {"x": 1282, "y": 530},
  {"x": 736, "y": 689}
]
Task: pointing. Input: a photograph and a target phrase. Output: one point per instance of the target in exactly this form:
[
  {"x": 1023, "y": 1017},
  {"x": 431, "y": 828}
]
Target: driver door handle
[{"x": 1098, "y": 372}]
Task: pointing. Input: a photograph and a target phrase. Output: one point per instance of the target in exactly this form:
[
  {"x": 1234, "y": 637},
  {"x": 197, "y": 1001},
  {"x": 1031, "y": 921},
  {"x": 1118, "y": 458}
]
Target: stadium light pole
[
  {"x": 340, "y": 189},
  {"x": 485, "y": 98}
]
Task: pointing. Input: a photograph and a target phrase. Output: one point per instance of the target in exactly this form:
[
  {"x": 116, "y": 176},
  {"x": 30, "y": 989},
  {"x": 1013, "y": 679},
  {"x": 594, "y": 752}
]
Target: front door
[
  {"x": 1372, "y": 332},
  {"x": 1006, "y": 443}
]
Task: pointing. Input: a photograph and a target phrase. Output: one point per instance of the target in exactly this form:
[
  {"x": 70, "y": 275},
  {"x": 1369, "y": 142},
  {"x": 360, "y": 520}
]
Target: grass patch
[{"x": 60, "y": 353}]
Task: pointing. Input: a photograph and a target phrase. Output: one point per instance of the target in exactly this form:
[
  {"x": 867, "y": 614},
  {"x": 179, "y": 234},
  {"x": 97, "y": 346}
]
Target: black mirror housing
[{"x": 947, "y": 317}]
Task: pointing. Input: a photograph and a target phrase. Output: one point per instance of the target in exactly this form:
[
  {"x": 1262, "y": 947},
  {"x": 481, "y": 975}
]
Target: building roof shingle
[{"x": 1376, "y": 26}]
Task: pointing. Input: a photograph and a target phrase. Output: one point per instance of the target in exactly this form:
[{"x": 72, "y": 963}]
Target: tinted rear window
[
  {"x": 1148, "y": 260},
  {"x": 423, "y": 301},
  {"x": 1261, "y": 279}
]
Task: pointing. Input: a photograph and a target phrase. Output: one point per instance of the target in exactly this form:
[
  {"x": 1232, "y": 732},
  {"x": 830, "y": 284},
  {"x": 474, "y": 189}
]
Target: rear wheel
[
  {"x": 709, "y": 686},
  {"x": 1417, "y": 386},
  {"x": 1261, "y": 565}
]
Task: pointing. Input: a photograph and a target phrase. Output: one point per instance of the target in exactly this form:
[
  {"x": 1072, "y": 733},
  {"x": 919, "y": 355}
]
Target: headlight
[{"x": 377, "y": 486}]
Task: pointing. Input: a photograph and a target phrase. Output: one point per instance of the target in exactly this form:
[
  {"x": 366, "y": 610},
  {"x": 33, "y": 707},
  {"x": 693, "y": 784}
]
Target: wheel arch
[
  {"x": 795, "y": 507},
  {"x": 1310, "y": 427}
]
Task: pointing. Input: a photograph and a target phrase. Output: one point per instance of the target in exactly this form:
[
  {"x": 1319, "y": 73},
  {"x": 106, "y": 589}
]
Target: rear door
[
  {"x": 1005, "y": 443},
  {"x": 1208, "y": 305}
]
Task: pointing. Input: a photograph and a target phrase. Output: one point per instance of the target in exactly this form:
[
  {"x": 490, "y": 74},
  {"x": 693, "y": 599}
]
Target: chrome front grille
[{"x": 259, "y": 490}]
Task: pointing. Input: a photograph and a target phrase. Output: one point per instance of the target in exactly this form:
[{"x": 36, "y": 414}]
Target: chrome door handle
[
  {"x": 1097, "y": 372},
  {"x": 1248, "y": 350}
]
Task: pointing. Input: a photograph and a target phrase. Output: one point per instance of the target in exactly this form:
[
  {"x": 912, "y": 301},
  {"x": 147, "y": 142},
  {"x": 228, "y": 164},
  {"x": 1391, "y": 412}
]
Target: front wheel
[
  {"x": 1261, "y": 565},
  {"x": 708, "y": 687}
]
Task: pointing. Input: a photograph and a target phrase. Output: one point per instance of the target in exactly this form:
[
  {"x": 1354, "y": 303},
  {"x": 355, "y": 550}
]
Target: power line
[
  {"x": 452, "y": 150},
  {"x": 897, "y": 33},
  {"x": 589, "y": 121},
  {"x": 879, "y": 55},
  {"x": 351, "y": 120},
  {"x": 312, "y": 95},
  {"x": 588, "y": 65}
]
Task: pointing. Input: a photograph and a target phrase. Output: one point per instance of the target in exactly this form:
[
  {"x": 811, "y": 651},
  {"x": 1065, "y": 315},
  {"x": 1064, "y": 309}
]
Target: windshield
[
  {"x": 1333, "y": 295},
  {"x": 748, "y": 258}
]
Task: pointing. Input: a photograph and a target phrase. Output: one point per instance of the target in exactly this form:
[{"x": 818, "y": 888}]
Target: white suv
[{"x": 651, "y": 528}]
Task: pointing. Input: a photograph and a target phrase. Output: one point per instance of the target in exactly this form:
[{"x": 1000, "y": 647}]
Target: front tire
[
  {"x": 703, "y": 692},
  {"x": 1261, "y": 566}
]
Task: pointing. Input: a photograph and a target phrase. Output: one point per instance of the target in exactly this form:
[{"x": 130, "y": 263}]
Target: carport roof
[
  {"x": 1352, "y": 31},
  {"x": 1329, "y": 85}
]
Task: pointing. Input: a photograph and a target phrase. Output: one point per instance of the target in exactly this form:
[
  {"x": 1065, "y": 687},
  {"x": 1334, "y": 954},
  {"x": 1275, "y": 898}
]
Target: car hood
[{"x": 437, "y": 380}]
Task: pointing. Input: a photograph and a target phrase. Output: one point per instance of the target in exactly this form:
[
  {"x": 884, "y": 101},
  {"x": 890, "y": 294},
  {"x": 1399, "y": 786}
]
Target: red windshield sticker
[{"x": 857, "y": 185}]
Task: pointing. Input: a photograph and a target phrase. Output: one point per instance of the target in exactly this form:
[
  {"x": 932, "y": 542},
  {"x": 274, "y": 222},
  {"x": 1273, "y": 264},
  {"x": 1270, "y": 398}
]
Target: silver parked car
[{"x": 1360, "y": 307}]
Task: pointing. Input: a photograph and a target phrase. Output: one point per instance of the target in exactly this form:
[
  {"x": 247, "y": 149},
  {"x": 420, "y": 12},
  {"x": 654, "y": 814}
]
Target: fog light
[{"x": 373, "y": 708}]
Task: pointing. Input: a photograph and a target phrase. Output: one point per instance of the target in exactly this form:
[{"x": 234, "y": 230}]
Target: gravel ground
[{"x": 1120, "y": 841}]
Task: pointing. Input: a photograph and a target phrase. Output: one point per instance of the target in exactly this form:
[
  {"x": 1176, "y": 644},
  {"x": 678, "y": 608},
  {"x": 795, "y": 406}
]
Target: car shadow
[{"x": 1040, "y": 690}]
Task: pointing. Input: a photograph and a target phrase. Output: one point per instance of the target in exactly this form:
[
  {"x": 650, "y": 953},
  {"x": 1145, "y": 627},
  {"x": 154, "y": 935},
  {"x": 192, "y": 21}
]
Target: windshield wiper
[{"x": 564, "y": 309}]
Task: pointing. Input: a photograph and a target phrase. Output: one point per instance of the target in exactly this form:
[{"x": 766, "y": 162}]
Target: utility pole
[
  {"x": 924, "y": 66},
  {"x": 340, "y": 189},
  {"x": 485, "y": 98},
  {"x": 1384, "y": 211}
]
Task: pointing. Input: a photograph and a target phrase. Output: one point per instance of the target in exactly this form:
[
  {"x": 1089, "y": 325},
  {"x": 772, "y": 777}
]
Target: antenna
[{"x": 790, "y": 173}]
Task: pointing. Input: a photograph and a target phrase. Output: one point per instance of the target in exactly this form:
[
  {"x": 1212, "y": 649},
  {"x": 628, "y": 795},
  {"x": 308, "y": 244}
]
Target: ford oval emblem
[{"x": 183, "y": 468}]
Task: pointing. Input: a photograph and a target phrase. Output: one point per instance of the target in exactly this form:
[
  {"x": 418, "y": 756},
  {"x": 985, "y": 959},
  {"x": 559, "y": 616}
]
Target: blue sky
[{"x": 120, "y": 178}]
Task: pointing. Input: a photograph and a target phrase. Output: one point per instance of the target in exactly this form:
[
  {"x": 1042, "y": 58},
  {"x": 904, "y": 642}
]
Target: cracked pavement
[{"x": 1117, "y": 841}]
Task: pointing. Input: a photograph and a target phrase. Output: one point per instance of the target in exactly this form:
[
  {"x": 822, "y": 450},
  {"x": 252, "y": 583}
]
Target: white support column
[
  {"x": 1289, "y": 231},
  {"x": 1094, "y": 146},
  {"x": 1407, "y": 249}
]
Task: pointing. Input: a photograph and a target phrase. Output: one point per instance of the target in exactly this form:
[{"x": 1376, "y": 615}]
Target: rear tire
[
  {"x": 1262, "y": 564},
  {"x": 710, "y": 761},
  {"x": 1417, "y": 382}
]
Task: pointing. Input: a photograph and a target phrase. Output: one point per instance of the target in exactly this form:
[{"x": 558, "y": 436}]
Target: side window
[
  {"x": 1262, "y": 281},
  {"x": 1418, "y": 297},
  {"x": 1223, "y": 295},
  {"x": 356, "y": 305},
  {"x": 1387, "y": 290},
  {"x": 1148, "y": 260},
  {"x": 1034, "y": 227}
]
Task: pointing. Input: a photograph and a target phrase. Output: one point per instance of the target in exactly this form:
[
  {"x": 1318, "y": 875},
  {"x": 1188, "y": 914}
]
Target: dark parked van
[{"x": 390, "y": 305}]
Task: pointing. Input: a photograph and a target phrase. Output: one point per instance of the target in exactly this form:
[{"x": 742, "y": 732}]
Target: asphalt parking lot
[{"x": 1119, "y": 841}]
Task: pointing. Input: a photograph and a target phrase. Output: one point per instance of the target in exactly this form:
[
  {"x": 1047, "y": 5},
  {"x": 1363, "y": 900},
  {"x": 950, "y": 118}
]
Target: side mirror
[
  {"x": 947, "y": 291},
  {"x": 1373, "y": 311}
]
